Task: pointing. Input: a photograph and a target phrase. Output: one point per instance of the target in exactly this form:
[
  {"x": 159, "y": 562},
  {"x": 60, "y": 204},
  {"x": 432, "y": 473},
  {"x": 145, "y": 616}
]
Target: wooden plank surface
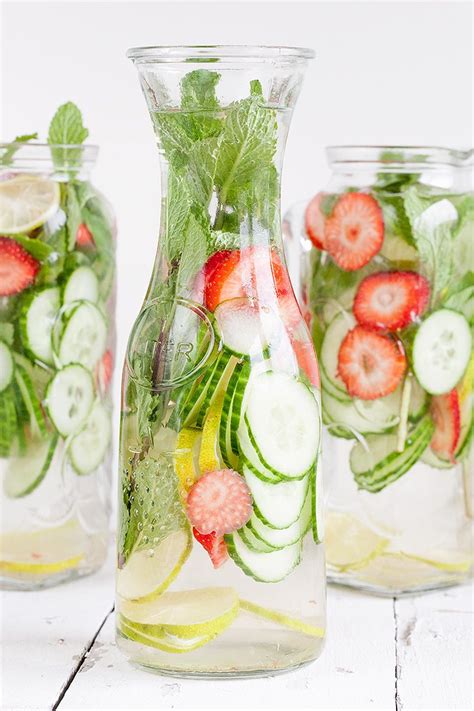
[
  {"x": 45, "y": 635},
  {"x": 435, "y": 650},
  {"x": 356, "y": 671}
]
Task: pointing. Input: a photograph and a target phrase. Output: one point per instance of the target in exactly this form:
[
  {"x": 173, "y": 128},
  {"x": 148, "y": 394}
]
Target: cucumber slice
[
  {"x": 81, "y": 285},
  {"x": 8, "y": 420},
  {"x": 193, "y": 404},
  {"x": 280, "y": 538},
  {"x": 36, "y": 323},
  {"x": 252, "y": 461},
  {"x": 441, "y": 351},
  {"x": 7, "y": 366},
  {"x": 263, "y": 567},
  {"x": 316, "y": 480},
  {"x": 84, "y": 336},
  {"x": 25, "y": 473},
  {"x": 362, "y": 416},
  {"x": 245, "y": 326},
  {"x": 430, "y": 458},
  {"x": 277, "y": 505},
  {"x": 237, "y": 412},
  {"x": 69, "y": 398},
  {"x": 253, "y": 542},
  {"x": 283, "y": 419},
  {"x": 418, "y": 401},
  {"x": 335, "y": 334},
  {"x": 31, "y": 401},
  {"x": 329, "y": 387},
  {"x": 88, "y": 448},
  {"x": 234, "y": 391},
  {"x": 379, "y": 463}
]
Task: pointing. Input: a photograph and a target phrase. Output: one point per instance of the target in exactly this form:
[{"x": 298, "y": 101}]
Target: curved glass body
[
  {"x": 57, "y": 340},
  {"x": 220, "y": 562},
  {"x": 385, "y": 270}
]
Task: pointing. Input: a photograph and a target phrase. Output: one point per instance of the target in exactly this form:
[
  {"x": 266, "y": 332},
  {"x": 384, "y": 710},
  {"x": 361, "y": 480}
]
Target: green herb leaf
[
  {"x": 66, "y": 129},
  {"x": 7, "y": 154},
  {"x": 6, "y": 333},
  {"x": 461, "y": 297},
  {"x": 36, "y": 247},
  {"x": 98, "y": 225},
  {"x": 194, "y": 254}
]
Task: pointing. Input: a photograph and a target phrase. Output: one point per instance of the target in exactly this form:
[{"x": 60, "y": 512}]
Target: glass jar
[
  {"x": 57, "y": 341},
  {"x": 386, "y": 279},
  {"x": 220, "y": 561}
]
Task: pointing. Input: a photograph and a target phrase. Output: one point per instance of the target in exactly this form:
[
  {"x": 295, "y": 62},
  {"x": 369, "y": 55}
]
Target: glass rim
[
  {"x": 37, "y": 153},
  {"x": 217, "y": 52},
  {"x": 403, "y": 155}
]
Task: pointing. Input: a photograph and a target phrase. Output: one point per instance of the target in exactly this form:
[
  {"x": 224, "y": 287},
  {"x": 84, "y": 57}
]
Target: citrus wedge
[
  {"x": 149, "y": 571},
  {"x": 188, "y": 614},
  {"x": 281, "y": 619},
  {"x": 350, "y": 544},
  {"x": 27, "y": 202},
  {"x": 42, "y": 552},
  {"x": 163, "y": 642},
  {"x": 184, "y": 456},
  {"x": 209, "y": 453}
]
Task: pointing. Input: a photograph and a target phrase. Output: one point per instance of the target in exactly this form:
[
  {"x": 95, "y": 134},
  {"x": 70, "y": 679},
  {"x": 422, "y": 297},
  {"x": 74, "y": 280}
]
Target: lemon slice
[
  {"x": 281, "y": 619},
  {"x": 27, "y": 202},
  {"x": 149, "y": 571},
  {"x": 209, "y": 459},
  {"x": 350, "y": 544},
  {"x": 188, "y": 614},
  {"x": 163, "y": 642},
  {"x": 42, "y": 552},
  {"x": 184, "y": 457}
]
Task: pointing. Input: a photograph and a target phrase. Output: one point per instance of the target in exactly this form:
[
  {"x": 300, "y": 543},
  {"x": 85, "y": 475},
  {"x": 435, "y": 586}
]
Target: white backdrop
[{"x": 386, "y": 72}]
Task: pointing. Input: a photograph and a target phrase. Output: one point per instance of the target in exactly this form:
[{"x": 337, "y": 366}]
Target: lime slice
[
  {"x": 163, "y": 642},
  {"x": 184, "y": 459},
  {"x": 281, "y": 619},
  {"x": 42, "y": 552},
  {"x": 187, "y": 614},
  {"x": 401, "y": 572},
  {"x": 150, "y": 570},
  {"x": 350, "y": 544},
  {"x": 27, "y": 202}
]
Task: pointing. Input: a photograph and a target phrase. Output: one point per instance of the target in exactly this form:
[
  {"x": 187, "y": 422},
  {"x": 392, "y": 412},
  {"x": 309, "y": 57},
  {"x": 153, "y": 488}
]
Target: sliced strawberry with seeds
[
  {"x": 214, "y": 545},
  {"x": 104, "y": 371},
  {"x": 446, "y": 415},
  {"x": 391, "y": 300},
  {"x": 219, "y": 502},
  {"x": 84, "y": 236},
  {"x": 18, "y": 269},
  {"x": 219, "y": 273},
  {"x": 315, "y": 221},
  {"x": 354, "y": 231},
  {"x": 371, "y": 365}
]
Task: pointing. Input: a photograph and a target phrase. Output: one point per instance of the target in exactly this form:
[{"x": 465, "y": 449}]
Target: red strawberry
[
  {"x": 219, "y": 275},
  {"x": 104, "y": 371},
  {"x": 18, "y": 269},
  {"x": 214, "y": 545},
  {"x": 307, "y": 360},
  {"x": 370, "y": 364},
  {"x": 354, "y": 231},
  {"x": 391, "y": 300},
  {"x": 315, "y": 221},
  {"x": 84, "y": 236},
  {"x": 219, "y": 502},
  {"x": 446, "y": 415}
]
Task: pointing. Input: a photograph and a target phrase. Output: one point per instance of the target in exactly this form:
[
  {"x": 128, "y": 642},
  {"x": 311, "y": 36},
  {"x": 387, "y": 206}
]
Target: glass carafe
[
  {"x": 387, "y": 279},
  {"x": 57, "y": 342},
  {"x": 220, "y": 558}
]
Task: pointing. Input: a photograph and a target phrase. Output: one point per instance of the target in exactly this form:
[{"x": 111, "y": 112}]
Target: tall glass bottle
[{"x": 220, "y": 562}]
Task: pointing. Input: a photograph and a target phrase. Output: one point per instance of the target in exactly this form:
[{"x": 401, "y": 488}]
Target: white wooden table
[{"x": 58, "y": 651}]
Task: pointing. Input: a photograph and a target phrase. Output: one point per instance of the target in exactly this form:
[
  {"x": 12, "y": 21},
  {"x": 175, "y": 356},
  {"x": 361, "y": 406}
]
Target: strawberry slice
[
  {"x": 221, "y": 276},
  {"x": 104, "y": 371},
  {"x": 18, "y": 269},
  {"x": 214, "y": 545},
  {"x": 370, "y": 364},
  {"x": 391, "y": 300},
  {"x": 315, "y": 221},
  {"x": 354, "y": 231},
  {"x": 219, "y": 502},
  {"x": 446, "y": 415},
  {"x": 307, "y": 360},
  {"x": 84, "y": 236}
]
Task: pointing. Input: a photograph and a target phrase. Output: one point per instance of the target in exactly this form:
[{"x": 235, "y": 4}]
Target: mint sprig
[
  {"x": 7, "y": 154},
  {"x": 66, "y": 129}
]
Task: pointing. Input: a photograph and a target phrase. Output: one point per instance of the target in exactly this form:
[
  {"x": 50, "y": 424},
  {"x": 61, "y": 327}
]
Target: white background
[{"x": 386, "y": 72}]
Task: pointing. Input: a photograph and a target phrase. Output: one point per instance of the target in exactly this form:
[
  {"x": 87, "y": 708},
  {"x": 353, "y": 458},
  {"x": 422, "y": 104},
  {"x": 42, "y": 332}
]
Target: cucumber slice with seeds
[
  {"x": 36, "y": 323},
  {"x": 83, "y": 337},
  {"x": 69, "y": 398},
  {"x": 441, "y": 351},
  {"x": 89, "y": 447},
  {"x": 281, "y": 537},
  {"x": 26, "y": 472},
  {"x": 81, "y": 285},
  {"x": 335, "y": 334},
  {"x": 7, "y": 366},
  {"x": 277, "y": 505}
]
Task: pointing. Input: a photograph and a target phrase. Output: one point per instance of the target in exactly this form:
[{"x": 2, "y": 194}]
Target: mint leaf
[
  {"x": 461, "y": 297},
  {"x": 74, "y": 216},
  {"x": 395, "y": 217},
  {"x": 37, "y": 248},
  {"x": 98, "y": 225},
  {"x": 194, "y": 254},
  {"x": 178, "y": 205},
  {"x": 7, "y": 154},
  {"x": 198, "y": 90},
  {"x": 6, "y": 333},
  {"x": 65, "y": 130}
]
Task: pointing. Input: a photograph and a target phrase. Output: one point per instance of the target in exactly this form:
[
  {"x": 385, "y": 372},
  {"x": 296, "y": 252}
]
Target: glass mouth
[
  {"x": 219, "y": 53},
  {"x": 398, "y": 156},
  {"x": 37, "y": 157}
]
